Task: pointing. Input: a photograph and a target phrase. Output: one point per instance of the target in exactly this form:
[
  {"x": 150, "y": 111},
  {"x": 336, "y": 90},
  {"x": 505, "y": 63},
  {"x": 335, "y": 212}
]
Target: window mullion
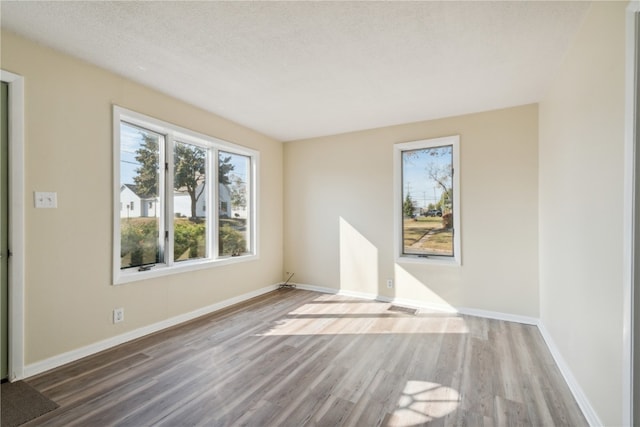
[
  {"x": 215, "y": 203},
  {"x": 250, "y": 205},
  {"x": 168, "y": 199}
]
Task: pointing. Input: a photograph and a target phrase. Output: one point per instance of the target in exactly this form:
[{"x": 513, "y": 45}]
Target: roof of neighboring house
[
  {"x": 183, "y": 190},
  {"x": 134, "y": 188},
  {"x": 180, "y": 191}
]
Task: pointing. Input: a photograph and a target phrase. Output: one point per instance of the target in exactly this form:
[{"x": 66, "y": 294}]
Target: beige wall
[
  {"x": 339, "y": 213},
  {"x": 68, "y": 149},
  {"x": 581, "y": 205}
]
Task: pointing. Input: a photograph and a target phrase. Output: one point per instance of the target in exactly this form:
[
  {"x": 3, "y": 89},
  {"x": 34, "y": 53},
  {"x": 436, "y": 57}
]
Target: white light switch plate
[{"x": 44, "y": 199}]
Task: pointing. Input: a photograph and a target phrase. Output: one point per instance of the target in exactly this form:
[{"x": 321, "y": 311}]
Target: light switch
[{"x": 45, "y": 199}]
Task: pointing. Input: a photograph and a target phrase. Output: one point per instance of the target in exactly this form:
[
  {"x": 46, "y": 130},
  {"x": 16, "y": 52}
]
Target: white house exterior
[
  {"x": 224, "y": 201},
  {"x": 134, "y": 206},
  {"x": 182, "y": 203}
]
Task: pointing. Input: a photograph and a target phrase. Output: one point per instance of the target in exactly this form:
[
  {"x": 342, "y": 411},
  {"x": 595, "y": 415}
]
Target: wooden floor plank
[{"x": 296, "y": 358}]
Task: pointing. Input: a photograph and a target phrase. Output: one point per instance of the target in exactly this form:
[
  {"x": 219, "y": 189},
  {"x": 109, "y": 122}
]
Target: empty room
[{"x": 318, "y": 213}]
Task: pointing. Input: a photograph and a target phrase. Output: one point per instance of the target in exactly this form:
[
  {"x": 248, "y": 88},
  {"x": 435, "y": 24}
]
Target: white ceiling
[{"x": 295, "y": 70}]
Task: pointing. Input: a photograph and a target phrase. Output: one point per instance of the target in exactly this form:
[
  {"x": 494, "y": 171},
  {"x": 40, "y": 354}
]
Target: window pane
[
  {"x": 427, "y": 201},
  {"x": 233, "y": 204},
  {"x": 140, "y": 208},
  {"x": 189, "y": 202}
]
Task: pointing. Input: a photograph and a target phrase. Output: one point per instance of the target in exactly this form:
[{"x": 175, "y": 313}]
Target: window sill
[
  {"x": 429, "y": 260},
  {"x": 133, "y": 275}
]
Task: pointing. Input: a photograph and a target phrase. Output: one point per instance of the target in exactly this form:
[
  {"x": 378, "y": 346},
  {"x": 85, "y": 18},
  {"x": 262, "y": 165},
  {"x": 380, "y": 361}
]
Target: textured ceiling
[{"x": 296, "y": 70}]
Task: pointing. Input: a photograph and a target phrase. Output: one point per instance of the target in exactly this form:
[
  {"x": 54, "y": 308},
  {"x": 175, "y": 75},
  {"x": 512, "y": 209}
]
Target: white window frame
[
  {"x": 213, "y": 145},
  {"x": 456, "y": 259}
]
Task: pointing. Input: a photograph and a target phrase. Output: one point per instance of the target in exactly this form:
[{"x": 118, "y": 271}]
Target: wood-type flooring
[{"x": 297, "y": 358}]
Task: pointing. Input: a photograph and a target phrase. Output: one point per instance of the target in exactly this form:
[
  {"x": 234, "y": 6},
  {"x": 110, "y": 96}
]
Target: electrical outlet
[
  {"x": 118, "y": 315},
  {"x": 48, "y": 200},
  {"x": 389, "y": 283}
]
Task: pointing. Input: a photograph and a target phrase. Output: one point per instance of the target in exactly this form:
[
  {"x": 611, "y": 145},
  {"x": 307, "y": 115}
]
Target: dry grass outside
[
  {"x": 415, "y": 229},
  {"x": 439, "y": 240}
]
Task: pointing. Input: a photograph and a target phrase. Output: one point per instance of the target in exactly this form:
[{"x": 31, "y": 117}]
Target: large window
[
  {"x": 428, "y": 200},
  {"x": 166, "y": 180}
]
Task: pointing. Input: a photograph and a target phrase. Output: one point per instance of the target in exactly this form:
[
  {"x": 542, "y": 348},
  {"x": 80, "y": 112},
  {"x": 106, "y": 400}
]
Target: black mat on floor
[{"x": 19, "y": 403}]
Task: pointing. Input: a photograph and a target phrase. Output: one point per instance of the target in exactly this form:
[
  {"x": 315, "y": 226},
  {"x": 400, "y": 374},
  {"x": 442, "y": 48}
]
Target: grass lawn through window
[{"x": 426, "y": 235}]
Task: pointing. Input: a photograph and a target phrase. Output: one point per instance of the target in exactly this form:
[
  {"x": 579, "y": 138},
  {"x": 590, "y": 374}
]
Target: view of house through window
[
  {"x": 140, "y": 181},
  {"x": 166, "y": 184},
  {"x": 427, "y": 174}
]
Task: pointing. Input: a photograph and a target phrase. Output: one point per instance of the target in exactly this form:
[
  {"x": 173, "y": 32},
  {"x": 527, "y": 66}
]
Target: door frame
[
  {"x": 631, "y": 228},
  {"x": 16, "y": 224}
]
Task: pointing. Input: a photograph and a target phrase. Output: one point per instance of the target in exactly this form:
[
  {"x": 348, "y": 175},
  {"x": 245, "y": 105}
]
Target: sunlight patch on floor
[
  {"x": 423, "y": 401},
  {"x": 365, "y": 323}
]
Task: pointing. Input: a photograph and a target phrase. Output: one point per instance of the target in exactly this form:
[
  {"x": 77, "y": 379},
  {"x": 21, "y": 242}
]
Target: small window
[{"x": 427, "y": 200}]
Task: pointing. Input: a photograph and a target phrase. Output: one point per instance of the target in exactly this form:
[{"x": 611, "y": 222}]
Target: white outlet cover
[
  {"x": 45, "y": 199},
  {"x": 118, "y": 315}
]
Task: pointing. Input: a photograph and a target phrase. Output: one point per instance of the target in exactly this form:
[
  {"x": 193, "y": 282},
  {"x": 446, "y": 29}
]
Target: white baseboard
[
  {"x": 583, "y": 402},
  {"x": 405, "y": 302},
  {"x": 370, "y": 296},
  {"x": 496, "y": 315},
  {"x": 314, "y": 288},
  {"x": 411, "y": 303},
  {"x": 73, "y": 355}
]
